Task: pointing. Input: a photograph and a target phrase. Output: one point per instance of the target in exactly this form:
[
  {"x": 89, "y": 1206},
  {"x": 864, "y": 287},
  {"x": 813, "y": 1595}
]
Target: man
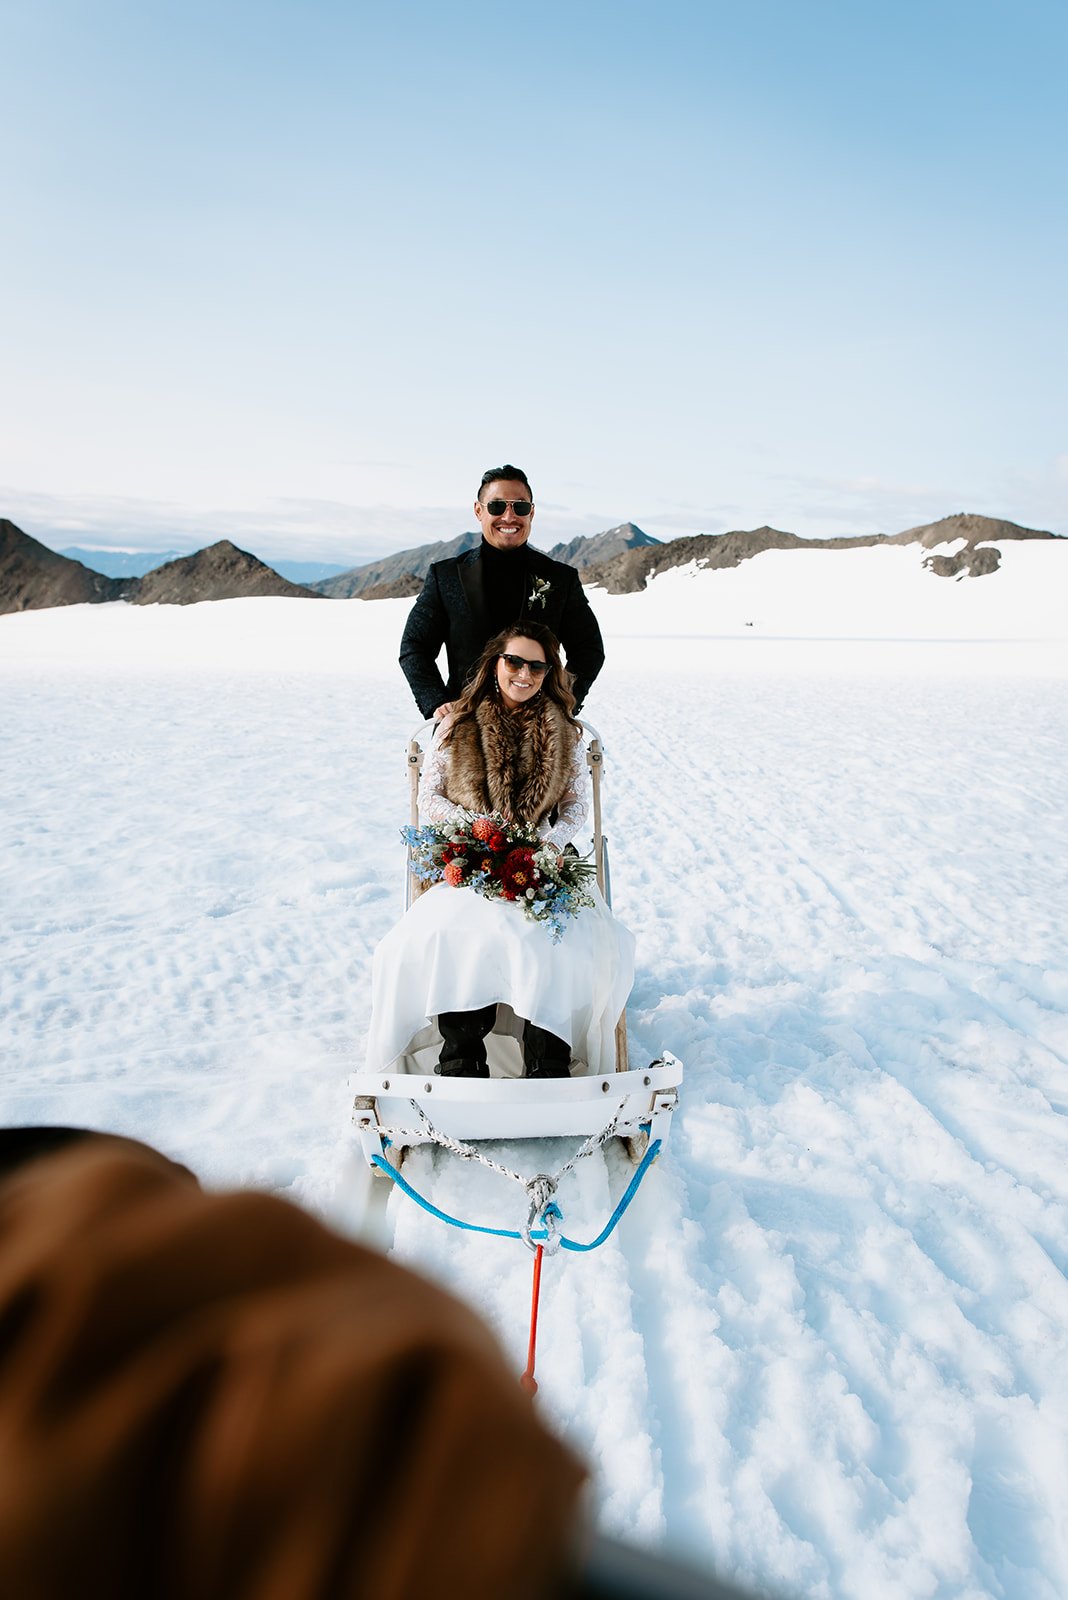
[{"x": 469, "y": 598}]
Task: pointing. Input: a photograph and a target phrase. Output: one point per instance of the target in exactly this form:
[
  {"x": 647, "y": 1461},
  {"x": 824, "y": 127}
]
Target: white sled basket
[
  {"x": 406, "y": 1109},
  {"x": 400, "y": 1109}
]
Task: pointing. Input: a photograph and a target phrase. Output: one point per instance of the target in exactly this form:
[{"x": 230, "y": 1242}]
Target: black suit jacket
[{"x": 451, "y": 611}]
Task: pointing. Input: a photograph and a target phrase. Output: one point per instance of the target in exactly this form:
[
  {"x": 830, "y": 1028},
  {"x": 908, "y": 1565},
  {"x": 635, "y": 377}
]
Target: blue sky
[{"x": 295, "y": 273}]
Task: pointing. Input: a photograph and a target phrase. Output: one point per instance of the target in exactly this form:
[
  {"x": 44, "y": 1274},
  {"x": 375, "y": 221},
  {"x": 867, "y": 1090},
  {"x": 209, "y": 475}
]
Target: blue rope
[{"x": 552, "y": 1209}]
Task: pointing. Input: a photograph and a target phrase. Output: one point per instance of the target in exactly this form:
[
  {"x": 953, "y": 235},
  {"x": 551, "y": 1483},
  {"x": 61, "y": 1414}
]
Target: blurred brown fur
[{"x": 212, "y": 1397}]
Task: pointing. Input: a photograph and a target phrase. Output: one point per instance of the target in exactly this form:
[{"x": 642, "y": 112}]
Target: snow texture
[{"x": 827, "y": 1350}]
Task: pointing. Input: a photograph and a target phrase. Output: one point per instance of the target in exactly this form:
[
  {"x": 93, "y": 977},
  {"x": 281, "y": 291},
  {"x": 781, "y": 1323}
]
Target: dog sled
[{"x": 408, "y": 1105}]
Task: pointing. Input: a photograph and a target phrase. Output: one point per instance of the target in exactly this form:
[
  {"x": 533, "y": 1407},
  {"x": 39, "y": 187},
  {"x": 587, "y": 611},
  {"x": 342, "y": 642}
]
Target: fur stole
[{"x": 515, "y": 762}]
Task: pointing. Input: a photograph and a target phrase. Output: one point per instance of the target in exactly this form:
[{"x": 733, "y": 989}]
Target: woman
[{"x": 460, "y": 966}]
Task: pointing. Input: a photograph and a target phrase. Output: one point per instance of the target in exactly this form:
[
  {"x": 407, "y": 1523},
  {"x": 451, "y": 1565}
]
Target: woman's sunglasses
[
  {"x": 538, "y": 668},
  {"x": 497, "y": 508}
]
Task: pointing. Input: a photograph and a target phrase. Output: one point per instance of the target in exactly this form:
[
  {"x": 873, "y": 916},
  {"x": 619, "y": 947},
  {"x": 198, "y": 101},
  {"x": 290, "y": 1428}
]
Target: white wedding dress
[{"x": 454, "y": 950}]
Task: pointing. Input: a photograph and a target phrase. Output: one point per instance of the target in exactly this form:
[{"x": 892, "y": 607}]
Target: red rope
[{"x": 527, "y": 1382}]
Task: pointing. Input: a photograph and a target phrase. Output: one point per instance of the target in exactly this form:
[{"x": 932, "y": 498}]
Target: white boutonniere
[{"x": 537, "y": 595}]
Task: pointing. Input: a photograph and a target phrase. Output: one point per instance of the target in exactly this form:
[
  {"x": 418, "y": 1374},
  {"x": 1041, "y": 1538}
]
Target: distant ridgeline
[
  {"x": 621, "y": 560},
  {"x": 403, "y": 573},
  {"x": 33, "y": 577},
  {"x": 135, "y": 563}
]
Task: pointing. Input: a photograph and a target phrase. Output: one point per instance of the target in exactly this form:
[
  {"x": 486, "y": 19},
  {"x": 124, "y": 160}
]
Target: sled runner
[{"x": 408, "y": 1105}]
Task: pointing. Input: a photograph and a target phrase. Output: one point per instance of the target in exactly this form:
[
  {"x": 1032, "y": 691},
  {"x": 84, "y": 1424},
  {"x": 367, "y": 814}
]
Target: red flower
[
  {"x": 496, "y": 840},
  {"x": 483, "y": 829},
  {"x": 516, "y": 871},
  {"x": 454, "y": 873}
]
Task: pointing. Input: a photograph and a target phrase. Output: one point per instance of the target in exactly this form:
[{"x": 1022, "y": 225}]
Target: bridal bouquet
[{"x": 502, "y": 861}]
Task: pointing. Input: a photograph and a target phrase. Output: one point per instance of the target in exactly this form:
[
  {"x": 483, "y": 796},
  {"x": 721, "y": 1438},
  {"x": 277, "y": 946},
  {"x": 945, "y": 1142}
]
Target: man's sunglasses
[
  {"x": 538, "y": 668},
  {"x": 497, "y": 508}
]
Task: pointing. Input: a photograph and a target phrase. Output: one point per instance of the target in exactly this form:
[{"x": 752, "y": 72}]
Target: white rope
[{"x": 467, "y": 1152}]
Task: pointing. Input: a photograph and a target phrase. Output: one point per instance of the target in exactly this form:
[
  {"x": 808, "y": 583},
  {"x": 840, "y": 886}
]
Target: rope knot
[{"x": 542, "y": 1210}]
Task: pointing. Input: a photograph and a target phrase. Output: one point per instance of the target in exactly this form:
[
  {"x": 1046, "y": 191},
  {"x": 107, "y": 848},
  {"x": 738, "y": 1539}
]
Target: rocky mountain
[
  {"x": 621, "y": 560},
  {"x": 591, "y": 551},
  {"x": 221, "y": 572},
  {"x": 33, "y": 577},
  {"x": 630, "y": 571},
  {"x": 978, "y": 556},
  {"x": 966, "y": 525},
  {"x": 395, "y": 576},
  {"x": 405, "y": 587},
  {"x": 400, "y": 574}
]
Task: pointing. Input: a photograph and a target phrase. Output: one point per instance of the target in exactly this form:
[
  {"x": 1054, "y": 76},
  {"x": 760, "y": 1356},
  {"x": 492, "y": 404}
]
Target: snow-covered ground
[{"x": 828, "y": 1347}]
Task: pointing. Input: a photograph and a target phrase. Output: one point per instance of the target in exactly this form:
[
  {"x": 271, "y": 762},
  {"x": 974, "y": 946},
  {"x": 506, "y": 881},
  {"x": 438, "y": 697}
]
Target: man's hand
[{"x": 443, "y": 711}]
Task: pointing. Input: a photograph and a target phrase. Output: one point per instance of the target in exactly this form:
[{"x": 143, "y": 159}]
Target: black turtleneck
[{"x": 504, "y": 575}]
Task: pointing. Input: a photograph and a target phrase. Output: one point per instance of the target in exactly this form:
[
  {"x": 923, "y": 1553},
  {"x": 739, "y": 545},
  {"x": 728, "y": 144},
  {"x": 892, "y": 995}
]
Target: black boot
[
  {"x": 463, "y": 1052},
  {"x": 462, "y": 1067},
  {"x": 544, "y": 1055}
]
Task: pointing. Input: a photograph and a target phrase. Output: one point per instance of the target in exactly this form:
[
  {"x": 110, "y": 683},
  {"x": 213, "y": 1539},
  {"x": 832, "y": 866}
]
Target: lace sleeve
[
  {"x": 434, "y": 804},
  {"x": 574, "y": 808}
]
